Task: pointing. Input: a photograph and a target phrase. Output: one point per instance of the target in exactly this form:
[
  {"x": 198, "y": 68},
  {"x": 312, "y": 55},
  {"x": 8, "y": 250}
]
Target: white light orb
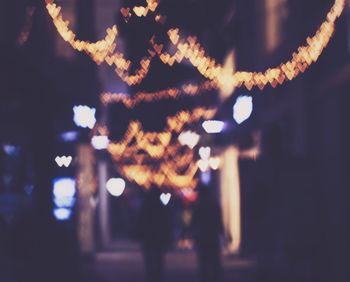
[
  {"x": 84, "y": 116},
  {"x": 189, "y": 138},
  {"x": 213, "y": 126},
  {"x": 64, "y": 188},
  {"x": 243, "y": 109},
  {"x": 62, "y": 214},
  {"x": 204, "y": 153},
  {"x": 115, "y": 186},
  {"x": 100, "y": 142}
]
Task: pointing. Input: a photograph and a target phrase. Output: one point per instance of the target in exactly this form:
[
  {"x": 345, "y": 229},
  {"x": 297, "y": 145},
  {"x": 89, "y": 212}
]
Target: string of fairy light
[
  {"x": 170, "y": 93},
  {"x": 144, "y": 150},
  {"x": 191, "y": 50},
  {"x": 155, "y": 143},
  {"x": 302, "y": 59},
  {"x": 157, "y": 158}
]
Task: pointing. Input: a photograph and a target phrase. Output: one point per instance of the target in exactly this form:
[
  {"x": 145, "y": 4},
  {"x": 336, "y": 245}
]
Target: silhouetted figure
[
  {"x": 207, "y": 227},
  {"x": 154, "y": 233}
]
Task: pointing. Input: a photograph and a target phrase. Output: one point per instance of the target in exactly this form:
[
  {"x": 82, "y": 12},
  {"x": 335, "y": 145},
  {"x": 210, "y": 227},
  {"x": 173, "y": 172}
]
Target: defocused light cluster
[
  {"x": 131, "y": 102},
  {"x": 166, "y": 159},
  {"x": 155, "y": 143},
  {"x": 140, "y": 11},
  {"x": 96, "y": 50},
  {"x": 191, "y": 50},
  {"x": 159, "y": 158},
  {"x": 206, "y": 161},
  {"x": 10, "y": 150},
  {"x": 100, "y": 142},
  {"x": 123, "y": 66},
  {"x": 213, "y": 126},
  {"x": 306, "y": 55},
  {"x": 189, "y": 138},
  {"x": 165, "y": 198},
  {"x": 242, "y": 109},
  {"x": 166, "y": 175},
  {"x": 84, "y": 116},
  {"x": 64, "y": 197},
  {"x": 63, "y": 161},
  {"x": 115, "y": 186}
]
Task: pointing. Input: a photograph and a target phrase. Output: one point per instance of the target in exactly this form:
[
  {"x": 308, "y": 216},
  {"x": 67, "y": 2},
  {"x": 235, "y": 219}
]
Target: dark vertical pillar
[{"x": 87, "y": 85}]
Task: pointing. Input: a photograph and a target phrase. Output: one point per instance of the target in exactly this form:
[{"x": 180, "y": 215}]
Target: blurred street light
[
  {"x": 100, "y": 142},
  {"x": 165, "y": 198},
  {"x": 213, "y": 126},
  {"x": 243, "y": 109},
  {"x": 115, "y": 186},
  {"x": 62, "y": 214},
  {"x": 204, "y": 153},
  {"x": 189, "y": 139},
  {"x": 84, "y": 116}
]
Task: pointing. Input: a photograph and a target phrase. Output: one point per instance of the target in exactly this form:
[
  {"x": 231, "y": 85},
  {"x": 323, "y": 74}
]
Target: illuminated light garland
[
  {"x": 171, "y": 154},
  {"x": 140, "y": 11},
  {"x": 191, "y": 50},
  {"x": 96, "y": 50},
  {"x": 166, "y": 176},
  {"x": 150, "y": 158},
  {"x": 155, "y": 143},
  {"x": 171, "y": 93},
  {"x": 123, "y": 65},
  {"x": 102, "y": 50},
  {"x": 180, "y": 161},
  {"x": 306, "y": 55}
]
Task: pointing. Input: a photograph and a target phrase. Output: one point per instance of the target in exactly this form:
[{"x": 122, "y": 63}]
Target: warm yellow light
[{"x": 191, "y": 50}]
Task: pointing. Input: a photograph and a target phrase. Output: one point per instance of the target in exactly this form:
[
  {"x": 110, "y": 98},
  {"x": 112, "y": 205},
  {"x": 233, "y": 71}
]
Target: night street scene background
[{"x": 174, "y": 141}]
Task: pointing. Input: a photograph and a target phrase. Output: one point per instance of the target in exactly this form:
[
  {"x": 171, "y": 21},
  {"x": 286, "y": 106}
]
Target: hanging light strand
[
  {"x": 123, "y": 65},
  {"x": 165, "y": 176},
  {"x": 305, "y": 56},
  {"x": 140, "y": 11},
  {"x": 96, "y": 50},
  {"x": 171, "y": 93},
  {"x": 155, "y": 143},
  {"x": 191, "y": 50}
]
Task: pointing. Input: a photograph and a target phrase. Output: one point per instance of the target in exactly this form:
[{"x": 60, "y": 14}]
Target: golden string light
[
  {"x": 155, "y": 143},
  {"x": 167, "y": 175},
  {"x": 178, "y": 170},
  {"x": 102, "y": 50},
  {"x": 191, "y": 50},
  {"x": 122, "y": 67},
  {"x": 140, "y": 11},
  {"x": 131, "y": 102},
  {"x": 96, "y": 50},
  {"x": 305, "y": 56},
  {"x": 172, "y": 154},
  {"x": 157, "y": 158}
]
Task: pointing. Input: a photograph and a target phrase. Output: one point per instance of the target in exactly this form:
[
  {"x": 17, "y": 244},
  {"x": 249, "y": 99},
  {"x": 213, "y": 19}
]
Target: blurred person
[
  {"x": 154, "y": 233},
  {"x": 207, "y": 228}
]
